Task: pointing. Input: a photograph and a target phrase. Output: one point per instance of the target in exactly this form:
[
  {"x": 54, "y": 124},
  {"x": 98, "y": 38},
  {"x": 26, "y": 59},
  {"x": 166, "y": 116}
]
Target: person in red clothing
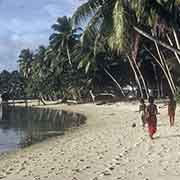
[
  {"x": 151, "y": 112},
  {"x": 171, "y": 110}
]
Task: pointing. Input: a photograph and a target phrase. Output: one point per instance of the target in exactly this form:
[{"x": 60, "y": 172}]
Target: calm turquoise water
[{"x": 21, "y": 127}]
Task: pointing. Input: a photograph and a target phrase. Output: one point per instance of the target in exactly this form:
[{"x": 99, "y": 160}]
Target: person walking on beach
[
  {"x": 171, "y": 110},
  {"x": 142, "y": 109},
  {"x": 151, "y": 112}
]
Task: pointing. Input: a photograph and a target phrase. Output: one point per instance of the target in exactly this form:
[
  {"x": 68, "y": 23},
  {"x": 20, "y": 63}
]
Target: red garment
[
  {"x": 152, "y": 125},
  {"x": 151, "y": 119}
]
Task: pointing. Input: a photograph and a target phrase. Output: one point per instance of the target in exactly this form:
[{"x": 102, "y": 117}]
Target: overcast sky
[{"x": 27, "y": 24}]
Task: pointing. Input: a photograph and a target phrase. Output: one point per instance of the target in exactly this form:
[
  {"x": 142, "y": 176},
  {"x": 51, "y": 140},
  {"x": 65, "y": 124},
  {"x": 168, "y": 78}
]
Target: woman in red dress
[
  {"x": 151, "y": 112},
  {"x": 171, "y": 110}
]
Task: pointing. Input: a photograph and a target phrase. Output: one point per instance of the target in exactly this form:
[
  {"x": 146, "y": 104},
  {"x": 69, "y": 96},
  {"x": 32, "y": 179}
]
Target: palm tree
[
  {"x": 64, "y": 37},
  {"x": 25, "y": 60},
  {"x": 116, "y": 19},
  {"x": 122, "y": 22}
]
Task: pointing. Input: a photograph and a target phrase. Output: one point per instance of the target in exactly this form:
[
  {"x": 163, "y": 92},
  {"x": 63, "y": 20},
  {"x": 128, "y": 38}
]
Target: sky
[{"x": 27, "y": 24}]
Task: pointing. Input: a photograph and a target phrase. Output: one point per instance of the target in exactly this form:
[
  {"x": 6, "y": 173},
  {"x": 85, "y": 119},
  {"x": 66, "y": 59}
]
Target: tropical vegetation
[{"x": 107, "y": 46}]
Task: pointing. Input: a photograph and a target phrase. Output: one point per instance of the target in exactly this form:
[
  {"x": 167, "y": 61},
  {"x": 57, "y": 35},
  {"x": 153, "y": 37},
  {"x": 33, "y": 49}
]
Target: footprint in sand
[
  {"x": 74, "y": 178},
  {"x": 106, "y": 172},
  {"x": 76, "y": 170},
  {"x": 100, "y": 157},
  {"x": 111, "y": 168},
  {"x": 37, "y": 178},
  {"x": 2, "y": 177},
  {"x": 133, "y": 125},
  {"x": 95, "y": 178},
  {"x": 118, "y": 164}
]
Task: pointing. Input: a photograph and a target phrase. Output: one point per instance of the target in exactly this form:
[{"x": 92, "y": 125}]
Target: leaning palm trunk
[
  {"x": 171, "y": 43},
  {"x": 136, "y": 46},
  {"x": 106, "y": 71},
  {"x": 161, "y": 88},
  {"x": 148, "y": 36},
  {"x": 136, "y": 76},
  {"x": 163, "y": 62},
  {"x": 176, "y": 39},
  {"x": 169, "y": 74},
  {"x": 92, "y": 96},
  {"x": 156, "y": 78},
  {"x": 134, "y": 57},
  {"x": 68, "y": 54},
  {"x": 163, "y": 69},
  {"x": 142, "y": 78}
]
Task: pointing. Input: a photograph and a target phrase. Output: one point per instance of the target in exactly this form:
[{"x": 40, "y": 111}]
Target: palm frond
[
  {"x": 85, "y": 11},
  {"x": 120, "y": 38},
  {"x": 63, "y": 25},
  {"x": 92, "y": 29}
]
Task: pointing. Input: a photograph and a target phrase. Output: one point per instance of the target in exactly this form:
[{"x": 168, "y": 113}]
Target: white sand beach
[{"x": 107, "y": 147}]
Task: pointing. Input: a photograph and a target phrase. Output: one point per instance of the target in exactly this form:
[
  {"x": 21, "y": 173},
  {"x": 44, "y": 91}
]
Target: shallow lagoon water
[{"x": 21, "y": 127}]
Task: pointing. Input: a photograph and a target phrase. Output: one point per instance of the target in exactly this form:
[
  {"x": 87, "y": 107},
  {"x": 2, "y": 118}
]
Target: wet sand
[{"x": 106, "y": 148}]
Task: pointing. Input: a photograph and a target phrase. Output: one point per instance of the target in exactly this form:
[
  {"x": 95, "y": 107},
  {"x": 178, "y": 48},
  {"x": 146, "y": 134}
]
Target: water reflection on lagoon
[{"x": 20, "y": 127}]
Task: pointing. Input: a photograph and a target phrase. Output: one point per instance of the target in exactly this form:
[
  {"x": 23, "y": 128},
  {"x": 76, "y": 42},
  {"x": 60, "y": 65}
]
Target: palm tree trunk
[
  {"x": 163, "y": 62},
  {"x": 163, "y": 69},
  {"x": 143, "y": 81},
  {"x": 68, "y": 54},
  {"x": 156, "y": 78},
  {"x": 134, "y": 57},
  {"x": 161, "y": 87},
  {"x": 136, "y": 46},
  {"x": 106, "y": 71},
  {"x": 155, "y": 40},
  {"x": 136, "y": 76},
  {"x": 92, "y": 96},
  {"x": 171, "y": 43},
  {"x": 169, "y": 74},
  {"x": 176, "y": 39}
]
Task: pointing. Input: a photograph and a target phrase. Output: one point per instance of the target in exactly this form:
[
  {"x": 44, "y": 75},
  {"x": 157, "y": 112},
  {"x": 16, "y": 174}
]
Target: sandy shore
[{"x": 106, "y": 148}]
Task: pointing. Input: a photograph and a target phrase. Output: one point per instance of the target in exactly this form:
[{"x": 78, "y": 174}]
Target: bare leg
[
  {"x": 143, "y": 121},
  {"x": 172, "y": 120}
]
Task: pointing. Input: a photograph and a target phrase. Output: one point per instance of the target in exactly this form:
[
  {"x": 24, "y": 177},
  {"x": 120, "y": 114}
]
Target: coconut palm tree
[
  {"x": 122, "y": 22},
  {"x": 116, "y": 19},
  {"x": 25, "y": 60},
  {"x": 64, "y": 37}
]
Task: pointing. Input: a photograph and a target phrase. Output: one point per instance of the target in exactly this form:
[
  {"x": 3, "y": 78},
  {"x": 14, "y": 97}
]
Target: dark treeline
[
  {"x": 124, "y": 48},
  {"x": 11, "y": 85}
]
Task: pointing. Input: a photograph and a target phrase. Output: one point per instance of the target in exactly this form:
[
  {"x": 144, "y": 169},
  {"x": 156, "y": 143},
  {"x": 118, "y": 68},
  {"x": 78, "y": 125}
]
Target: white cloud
[{"x": 27, "y": 24}]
